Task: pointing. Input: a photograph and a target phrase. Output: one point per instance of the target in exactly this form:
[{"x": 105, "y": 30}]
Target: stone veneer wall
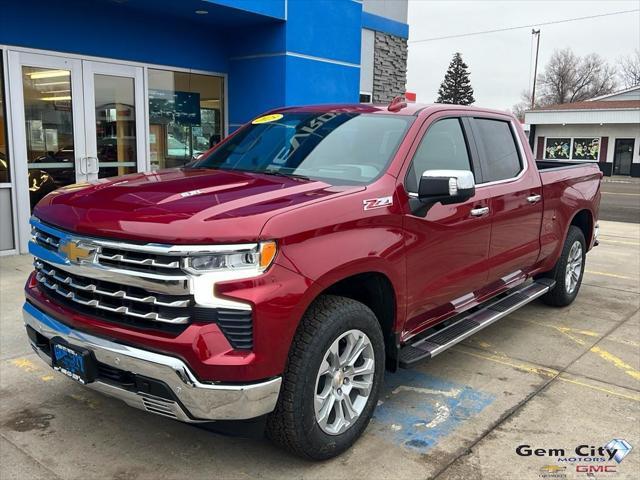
[{"x": 389, "y": 67}]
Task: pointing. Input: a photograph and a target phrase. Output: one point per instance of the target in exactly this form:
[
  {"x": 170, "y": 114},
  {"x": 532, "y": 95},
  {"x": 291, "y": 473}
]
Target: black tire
[
  {"x": 292, "y": 425},
  {"x": 561, "y": 294}
]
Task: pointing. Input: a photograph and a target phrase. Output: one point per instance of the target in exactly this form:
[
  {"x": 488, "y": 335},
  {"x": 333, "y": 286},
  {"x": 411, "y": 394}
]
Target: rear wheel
[
  {"x": 568, "y": 271},
  {"x": 332, "y": 380}
]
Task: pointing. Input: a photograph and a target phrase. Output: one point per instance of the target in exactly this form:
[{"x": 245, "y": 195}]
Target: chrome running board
[{"x": 494, "y": 310}]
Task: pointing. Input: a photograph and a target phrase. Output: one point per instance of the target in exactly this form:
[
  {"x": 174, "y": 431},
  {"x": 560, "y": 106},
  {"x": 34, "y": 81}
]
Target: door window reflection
[
  {"x": 185, "y": 116},
  {"x": 49, "y": 130},
  {"x": 115, "y": 125}
]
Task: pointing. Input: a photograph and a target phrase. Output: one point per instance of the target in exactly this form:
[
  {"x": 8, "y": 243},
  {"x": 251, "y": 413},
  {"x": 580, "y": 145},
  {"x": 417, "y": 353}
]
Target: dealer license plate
[{"x": 76, "y": 363}]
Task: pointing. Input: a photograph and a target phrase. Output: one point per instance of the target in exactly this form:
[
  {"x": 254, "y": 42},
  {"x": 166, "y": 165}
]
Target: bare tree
[
  {"x": 629, "y": 67},
  {"x": 523, "y": 105},
  {"x": 569, "y": 78}
]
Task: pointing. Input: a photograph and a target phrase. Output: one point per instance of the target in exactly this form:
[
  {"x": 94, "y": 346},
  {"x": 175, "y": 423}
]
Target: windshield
[{"x": 336, "y": 147}]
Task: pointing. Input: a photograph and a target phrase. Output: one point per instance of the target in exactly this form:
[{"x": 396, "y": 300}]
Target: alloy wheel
[
  {"x": 574, "y": 267},
  {"x": 344, "y": 382}
]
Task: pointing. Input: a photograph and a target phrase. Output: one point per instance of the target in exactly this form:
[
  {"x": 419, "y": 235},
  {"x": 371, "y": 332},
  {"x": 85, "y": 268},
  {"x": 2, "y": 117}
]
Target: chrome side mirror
[{"x": 446, "y": 186}]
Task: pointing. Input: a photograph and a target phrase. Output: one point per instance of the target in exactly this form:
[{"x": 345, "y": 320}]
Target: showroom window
[
  {"x": 578, "y": 148},
  {"x": 185, "y": 116}
]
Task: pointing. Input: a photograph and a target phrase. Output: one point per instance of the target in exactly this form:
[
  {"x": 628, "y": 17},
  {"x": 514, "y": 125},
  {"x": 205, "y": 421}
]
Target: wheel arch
[
  {"x": 583, "y": 219},
  {"x": 376, "y": 290}
]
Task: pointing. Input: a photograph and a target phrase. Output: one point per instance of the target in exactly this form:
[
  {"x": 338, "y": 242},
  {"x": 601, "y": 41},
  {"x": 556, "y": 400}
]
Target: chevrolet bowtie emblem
[
  {"x": 74, "y": 252},
  {"x": 552, "y": 468}
]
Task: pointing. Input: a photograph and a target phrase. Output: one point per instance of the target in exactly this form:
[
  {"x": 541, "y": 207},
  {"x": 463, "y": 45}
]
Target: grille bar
[
  {"x": 47, "y": 282},
  {"x": 91, "y": 287},
  {"x": 151, "y": 262},
  {"x": 46, "y": 240}
]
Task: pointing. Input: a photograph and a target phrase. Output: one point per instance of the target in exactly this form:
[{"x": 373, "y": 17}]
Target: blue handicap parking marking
[{"x": 416, "y": 410}]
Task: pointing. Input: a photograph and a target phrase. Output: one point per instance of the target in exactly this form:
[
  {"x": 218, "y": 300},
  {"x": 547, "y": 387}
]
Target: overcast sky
[{"x": 500, "y": 62}]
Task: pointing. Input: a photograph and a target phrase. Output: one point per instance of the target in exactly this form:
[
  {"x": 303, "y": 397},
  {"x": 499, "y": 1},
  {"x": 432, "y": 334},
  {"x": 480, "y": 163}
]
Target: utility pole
[{"x": 535, "y": 68}]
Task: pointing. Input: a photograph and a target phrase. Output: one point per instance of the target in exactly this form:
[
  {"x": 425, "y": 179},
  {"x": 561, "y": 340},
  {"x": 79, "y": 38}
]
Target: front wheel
[
  {"x": 568, "y": 271},
  {"x": 332, "y": 379}
]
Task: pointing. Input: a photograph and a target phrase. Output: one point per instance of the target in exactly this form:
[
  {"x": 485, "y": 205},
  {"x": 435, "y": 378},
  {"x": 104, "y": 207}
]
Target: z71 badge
[{"x": 377, "y": 203}]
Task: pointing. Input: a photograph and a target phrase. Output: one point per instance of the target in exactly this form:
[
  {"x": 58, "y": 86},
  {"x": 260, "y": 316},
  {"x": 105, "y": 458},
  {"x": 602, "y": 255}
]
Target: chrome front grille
[
  {"x": 141, "y": 285},
  {"x": 111, "y": 297}
]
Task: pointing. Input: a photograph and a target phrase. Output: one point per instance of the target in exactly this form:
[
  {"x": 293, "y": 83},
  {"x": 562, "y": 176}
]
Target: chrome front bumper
[{"x": 194, "y": 401}]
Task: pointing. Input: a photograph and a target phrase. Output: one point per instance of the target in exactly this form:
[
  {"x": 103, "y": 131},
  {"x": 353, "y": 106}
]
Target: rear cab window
[{"x": 499, "y": 153}]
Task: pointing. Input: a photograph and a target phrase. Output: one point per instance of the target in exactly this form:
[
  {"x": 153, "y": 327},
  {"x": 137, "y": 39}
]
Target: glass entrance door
[
  {"x": 73, "y": 121},
  {"x": 623, "y": 156},
  {"x": 48, "y": 129},
  {"x": 114, "y": 118}
]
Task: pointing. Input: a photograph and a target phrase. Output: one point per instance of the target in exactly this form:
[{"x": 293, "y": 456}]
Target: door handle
[
  {"x": 94, "y": 161},
  {"x": 82, "y": 165},
  {"x": 534, "y": 198},
  {"x": 478, "y": 212}
]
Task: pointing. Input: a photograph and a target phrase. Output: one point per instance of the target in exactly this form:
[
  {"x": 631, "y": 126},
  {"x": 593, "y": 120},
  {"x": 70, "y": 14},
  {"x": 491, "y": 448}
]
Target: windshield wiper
[{"x": 278, "y": 173}]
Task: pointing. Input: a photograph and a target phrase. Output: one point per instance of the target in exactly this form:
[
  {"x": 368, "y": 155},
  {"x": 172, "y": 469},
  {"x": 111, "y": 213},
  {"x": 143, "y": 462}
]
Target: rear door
[
  {"x": 447, "y": 245},
  {"x": 515, "y": 192}
]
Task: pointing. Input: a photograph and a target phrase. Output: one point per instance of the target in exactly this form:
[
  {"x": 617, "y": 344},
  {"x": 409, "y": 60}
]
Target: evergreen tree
[{"x": 456, "y": 87}]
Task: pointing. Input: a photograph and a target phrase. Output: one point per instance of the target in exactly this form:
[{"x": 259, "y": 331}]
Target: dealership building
[{"x": 103, "y": 88}]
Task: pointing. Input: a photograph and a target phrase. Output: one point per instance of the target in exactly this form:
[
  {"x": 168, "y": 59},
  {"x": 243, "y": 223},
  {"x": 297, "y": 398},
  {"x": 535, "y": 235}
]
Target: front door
[
  {"x": 623, "y": 156},
  {"x": 447, "y": 245},
  {"x": 73, "y": 121}
]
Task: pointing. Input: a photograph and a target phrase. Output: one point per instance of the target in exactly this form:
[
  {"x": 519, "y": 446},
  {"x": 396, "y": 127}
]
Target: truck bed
[{"x": 558, "y": 164}]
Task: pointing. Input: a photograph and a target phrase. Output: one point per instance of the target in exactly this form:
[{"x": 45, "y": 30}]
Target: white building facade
[{"x": 605, "y": 130}]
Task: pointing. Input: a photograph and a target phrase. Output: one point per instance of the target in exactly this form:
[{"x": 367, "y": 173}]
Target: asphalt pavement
[
  {"x": 542, "y": 381},
  {"x": 620, "y": 199}
]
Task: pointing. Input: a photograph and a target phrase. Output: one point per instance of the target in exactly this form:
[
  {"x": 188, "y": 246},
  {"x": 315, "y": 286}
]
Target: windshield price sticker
[{"x": 267, "y": 118}]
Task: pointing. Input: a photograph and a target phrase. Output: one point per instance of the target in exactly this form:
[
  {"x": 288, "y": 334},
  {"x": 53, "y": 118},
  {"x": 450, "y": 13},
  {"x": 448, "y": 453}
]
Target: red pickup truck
[{"x": 280, "y": 274}]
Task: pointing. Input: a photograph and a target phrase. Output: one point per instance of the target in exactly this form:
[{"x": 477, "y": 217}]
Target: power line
[{"x": 483, "y": 32}]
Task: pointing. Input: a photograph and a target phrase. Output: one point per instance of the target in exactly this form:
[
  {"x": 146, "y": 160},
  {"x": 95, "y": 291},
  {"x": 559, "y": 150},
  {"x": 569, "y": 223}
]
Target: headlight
[{"x": 258, "y": 258}]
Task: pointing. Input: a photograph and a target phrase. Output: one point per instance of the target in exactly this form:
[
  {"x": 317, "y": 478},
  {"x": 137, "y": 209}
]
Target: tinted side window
[
  {"x": 442, "y": 148},
  {"x": 500, "y": 157}
]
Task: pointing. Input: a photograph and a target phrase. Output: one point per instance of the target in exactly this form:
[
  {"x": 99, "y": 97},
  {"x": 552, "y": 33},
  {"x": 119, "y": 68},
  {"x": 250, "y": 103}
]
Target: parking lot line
[
  {"x": 587, "y": 333},
  {"x": 548, "y": 372},
  {"x": 622, "y": 193},
  {"x": 635, "y": 244},
  {"x": 605, "y": 355},
  {"x": 606, "y": 274}
]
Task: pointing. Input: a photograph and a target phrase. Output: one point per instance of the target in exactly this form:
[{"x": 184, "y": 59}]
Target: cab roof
[{"x": 416, "y": 109}]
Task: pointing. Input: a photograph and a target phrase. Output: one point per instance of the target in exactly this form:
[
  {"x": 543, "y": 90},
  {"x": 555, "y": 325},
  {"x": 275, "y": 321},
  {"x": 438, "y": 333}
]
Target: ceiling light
[
  {"x": 53, "y": 99},
  {"x": 64, "y": 82},
  {"x": 201, "y": 12},
  {"x": 49, "y": 74}
]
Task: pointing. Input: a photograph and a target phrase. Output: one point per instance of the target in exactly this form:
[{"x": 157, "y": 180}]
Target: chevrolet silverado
[{"x": 285, "y": 270}]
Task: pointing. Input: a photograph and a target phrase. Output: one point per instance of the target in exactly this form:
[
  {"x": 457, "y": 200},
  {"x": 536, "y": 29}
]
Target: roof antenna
[{"x": 397, "y": 104}]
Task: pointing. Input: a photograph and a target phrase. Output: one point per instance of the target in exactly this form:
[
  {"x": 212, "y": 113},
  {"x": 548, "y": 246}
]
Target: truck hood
[{"x": 180, "y": 206}]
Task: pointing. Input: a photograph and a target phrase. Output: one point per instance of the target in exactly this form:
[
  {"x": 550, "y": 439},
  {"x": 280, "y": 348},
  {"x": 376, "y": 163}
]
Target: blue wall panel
[
  {"x": 109, "y": 30},
  {"x": 386, "y": 25},
  {"x": 272, "y": 8},
  {"x": 325, "y": 28},
  {"x": 255, "y": 85},
  {"x": 311, "y": 81},
  {"x": 255, "y": 40}
]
